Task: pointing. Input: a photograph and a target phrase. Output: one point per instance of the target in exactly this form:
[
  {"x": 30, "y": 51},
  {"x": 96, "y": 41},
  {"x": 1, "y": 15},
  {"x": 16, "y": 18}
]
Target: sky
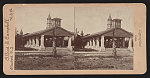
[{"x": 88, "y": 19}]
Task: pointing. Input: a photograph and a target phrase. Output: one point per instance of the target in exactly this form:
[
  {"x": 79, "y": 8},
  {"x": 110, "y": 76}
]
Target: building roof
[
  {"x": 119, "y": 32},
  {"x": 59, "y": 31}
]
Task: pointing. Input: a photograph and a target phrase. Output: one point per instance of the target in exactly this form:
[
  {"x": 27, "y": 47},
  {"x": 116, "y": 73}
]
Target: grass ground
[
  {"x": 104, "y": 63},
  {"x": 69, "y": 61}
]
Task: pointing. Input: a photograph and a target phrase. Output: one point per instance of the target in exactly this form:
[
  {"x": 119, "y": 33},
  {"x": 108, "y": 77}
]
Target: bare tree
[
  {"x": 114, "y": 45},
  {"x": 54, "y": 43}
]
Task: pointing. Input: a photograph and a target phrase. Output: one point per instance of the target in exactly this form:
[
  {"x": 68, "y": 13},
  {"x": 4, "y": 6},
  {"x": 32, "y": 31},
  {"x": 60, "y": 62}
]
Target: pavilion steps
[
  {"x": 58, "y": 48},
  {"x": 118, "y": 49}
]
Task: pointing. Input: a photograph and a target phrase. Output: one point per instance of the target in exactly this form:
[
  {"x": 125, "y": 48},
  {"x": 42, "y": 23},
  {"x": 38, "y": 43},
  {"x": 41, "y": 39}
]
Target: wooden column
[
  {"x": 102, "y": 48},
  {"x": 30, "y": 43},
  {"x": 26, "y": 45},
  {"x": 93, "y": 46},
  {"x": 90, "y": 44},
  {"x": 37, "y": 42},
  {"x": 63, "y": 43},
  {"x": 97, "y": 44},
  {"x": 130, "y": 44},
  {"x": 33, "y": 43},
  {"x": 69, "y": 44},
  {"x": 42, "y": 47},
  {"x": 123, "y": 43}
]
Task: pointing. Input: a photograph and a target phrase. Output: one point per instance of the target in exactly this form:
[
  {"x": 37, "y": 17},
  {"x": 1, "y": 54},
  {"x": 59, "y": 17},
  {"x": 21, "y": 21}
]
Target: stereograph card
[{"x": 69, "y": 39}]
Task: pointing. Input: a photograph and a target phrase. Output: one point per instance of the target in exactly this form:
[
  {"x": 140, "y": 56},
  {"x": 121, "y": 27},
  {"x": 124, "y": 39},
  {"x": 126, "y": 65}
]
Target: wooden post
[
  {"x": 42, "y": 47},
  {"x": 130, "y": 44},
  {"x": 69, "y": 44},
  {"x": 102, "y": 44}
]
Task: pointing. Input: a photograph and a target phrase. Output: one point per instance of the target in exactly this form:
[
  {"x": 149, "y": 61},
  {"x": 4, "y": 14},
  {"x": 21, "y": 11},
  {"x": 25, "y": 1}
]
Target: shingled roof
[
  {"x": 59, "y": 31},
  {"x": 108, "y": 31}
]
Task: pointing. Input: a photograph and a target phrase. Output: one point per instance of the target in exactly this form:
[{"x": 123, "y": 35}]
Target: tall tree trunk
[
  {"x": 114, "y": 45},
  {"x": 54, "y": 47},
  {"x": 114, "y": 49},
  {"x": 54, "y": 43}
]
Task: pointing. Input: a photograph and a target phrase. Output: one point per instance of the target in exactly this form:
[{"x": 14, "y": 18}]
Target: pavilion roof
[
  {"x": 120, "y": 33},
  {"x": 59, "y": 31}
]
